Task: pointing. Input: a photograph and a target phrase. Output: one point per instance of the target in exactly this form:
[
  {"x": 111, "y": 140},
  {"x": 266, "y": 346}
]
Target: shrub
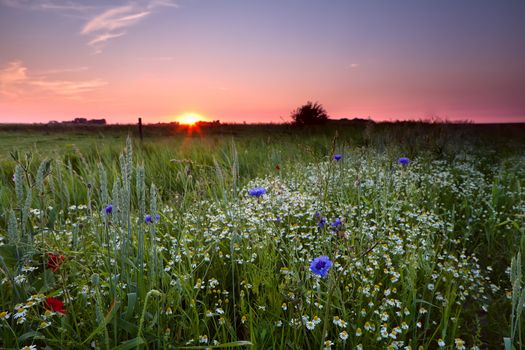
[{"x": 309, "y": 114}]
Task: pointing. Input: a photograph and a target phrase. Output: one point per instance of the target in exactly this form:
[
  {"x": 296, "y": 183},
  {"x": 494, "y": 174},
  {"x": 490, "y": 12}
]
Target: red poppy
[
  {"x": 54, "y": 261},
  {"x": 277, "y": 167},
  {"x": 55, "y": 305}
]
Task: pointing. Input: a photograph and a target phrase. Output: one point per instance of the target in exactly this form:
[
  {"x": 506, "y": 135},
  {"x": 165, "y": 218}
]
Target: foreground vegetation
[{"x": 210, "y": 240}]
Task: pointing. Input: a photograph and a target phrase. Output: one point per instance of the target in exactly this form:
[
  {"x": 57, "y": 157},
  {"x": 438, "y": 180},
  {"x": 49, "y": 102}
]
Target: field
[{"x": 355, "y": 236}]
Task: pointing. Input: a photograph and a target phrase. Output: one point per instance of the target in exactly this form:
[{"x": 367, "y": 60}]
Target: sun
[{"x": 190, "y": 118}]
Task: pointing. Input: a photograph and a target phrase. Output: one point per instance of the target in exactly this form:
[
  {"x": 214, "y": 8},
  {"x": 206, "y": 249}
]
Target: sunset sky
[{"x": 256, "y": 61}]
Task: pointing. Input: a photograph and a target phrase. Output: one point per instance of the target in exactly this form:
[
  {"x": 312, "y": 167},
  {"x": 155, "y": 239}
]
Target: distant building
[
  {"x": 97, "y": 121},
  {"x": 208, "y": 124},
  {"x": 352, "y": 121},
  {"x": 85, "y": 121}
]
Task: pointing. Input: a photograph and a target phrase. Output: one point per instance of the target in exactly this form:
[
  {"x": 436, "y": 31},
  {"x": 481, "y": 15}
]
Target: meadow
[{"x": 351, "y": 236}]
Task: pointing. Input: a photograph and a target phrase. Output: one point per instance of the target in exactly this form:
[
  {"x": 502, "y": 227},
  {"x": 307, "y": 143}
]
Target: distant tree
[{"x": 309, "y": 114}]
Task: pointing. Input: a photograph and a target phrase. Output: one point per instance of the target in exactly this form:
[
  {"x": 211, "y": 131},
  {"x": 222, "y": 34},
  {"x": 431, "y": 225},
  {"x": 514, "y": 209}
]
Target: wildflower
[
  {"x": 327, "y": 345},
  {"x": 321, "y": 265},
  {"x": 384, "y": 331},
  {"x": 148, "y": 219},
  {"x": 54, "y": 261},
  {"x": 403, "y": 161},
  {"x": 157, "y": 217},
  {"x": 316, "y": 319},
  {"x": 460, "y": 344},
  {"x": 109, "y": 209},
  {"x": 343, "y": 335},
  {"x": 310, "y": 325},
  {"x": 358, "y": 332},
  {"x": 338, "y": 157},
  {"x": 335, "y": 225},
  {"x": 4, "y": 315},
  {"x": 321, "y": 223},
  {"x": 369, "y": 327},
  {"x": 393, "y": 335},
  {"x": 28, "y": 268},
  {"x": 20, "y": 315},
  {"x": 44, "y": 324},
  {"x": 203, "y": 339},
  {"x": 30, "y": 347},
  {"x": 257, "y": 191},
  {"x": 55, "y": 305},
  {"x": 441, "y": 343},
  {"x": 20, "y": 279},
  {"x": 342, "y": 323}
]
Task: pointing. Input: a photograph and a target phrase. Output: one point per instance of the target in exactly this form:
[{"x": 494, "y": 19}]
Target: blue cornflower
[
  {"x": 336, "y": 224},
  {"x": 321, "y": 223},
  {"x": 148, "y": 219},
  {"x": 403, "y": 161},
  {"x": 338, "y": 157},
  {"x": 157, "y": 217},
  {"x": 321, "y": 265},
  {"x": 109, "y": 209},
  {"x": 257, "y": 191}
]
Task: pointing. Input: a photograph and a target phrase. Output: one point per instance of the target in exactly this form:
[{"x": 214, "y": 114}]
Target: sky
[{"x": 257, "y": 61}]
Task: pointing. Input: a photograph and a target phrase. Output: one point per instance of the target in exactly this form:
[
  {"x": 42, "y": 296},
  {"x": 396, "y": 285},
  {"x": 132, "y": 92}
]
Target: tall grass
[{"x": 186, "y": 257}]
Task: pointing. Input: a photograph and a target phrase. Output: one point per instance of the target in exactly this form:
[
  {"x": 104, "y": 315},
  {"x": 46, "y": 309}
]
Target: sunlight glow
[{"x": 190, "y": 118}]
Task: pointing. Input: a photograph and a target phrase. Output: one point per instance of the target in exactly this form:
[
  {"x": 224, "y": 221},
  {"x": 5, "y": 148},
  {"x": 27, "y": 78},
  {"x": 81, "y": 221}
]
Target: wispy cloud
[
  {"x": 104, "y": 25},
  {"x": 10, "y": 77},
  {"x": 102, "y": 38},
  {"x": 67, "y": 87},
  {"x": 60, "y": 6},
  {"x": 61, "y": 70},
  {"x": 15, "y": 81},
  {"x": 115, "y": 18},
  {"x": 161, "y": 3}
]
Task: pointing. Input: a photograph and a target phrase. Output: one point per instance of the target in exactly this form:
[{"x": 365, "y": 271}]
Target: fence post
[{"x": 140, "y": 129}]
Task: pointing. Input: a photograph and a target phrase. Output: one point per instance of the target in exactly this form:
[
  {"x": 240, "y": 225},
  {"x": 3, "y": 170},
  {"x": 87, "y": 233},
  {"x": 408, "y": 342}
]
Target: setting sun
[{"x": 190, "y": 118}]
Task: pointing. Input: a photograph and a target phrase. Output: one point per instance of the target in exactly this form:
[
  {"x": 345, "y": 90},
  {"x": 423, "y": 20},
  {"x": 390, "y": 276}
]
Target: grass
[{"x": 421, "y": 256}]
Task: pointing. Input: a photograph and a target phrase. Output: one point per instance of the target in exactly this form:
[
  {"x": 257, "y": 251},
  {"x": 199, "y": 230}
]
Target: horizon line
[{"x": 204, "y": 122}]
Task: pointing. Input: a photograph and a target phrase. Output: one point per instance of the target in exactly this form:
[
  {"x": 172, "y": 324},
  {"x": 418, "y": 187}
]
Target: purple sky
[{"x": 256, "y": 61}]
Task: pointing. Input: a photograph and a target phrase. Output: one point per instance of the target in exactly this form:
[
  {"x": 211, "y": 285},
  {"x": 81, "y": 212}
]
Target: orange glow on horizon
[{"x": 190, "y": 119}]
